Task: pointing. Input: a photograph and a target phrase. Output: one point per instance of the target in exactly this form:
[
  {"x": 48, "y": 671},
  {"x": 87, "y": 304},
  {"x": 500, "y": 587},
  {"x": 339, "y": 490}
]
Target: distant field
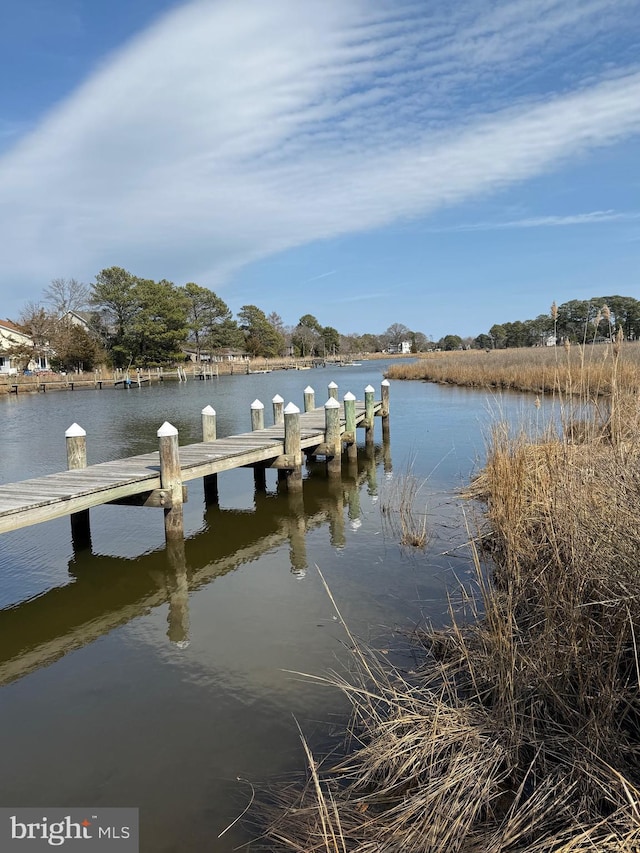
[{"x": 577, "y": 370}]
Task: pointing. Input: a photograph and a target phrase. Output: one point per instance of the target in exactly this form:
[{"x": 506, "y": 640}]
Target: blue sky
[{"x": 442, "y": 165}]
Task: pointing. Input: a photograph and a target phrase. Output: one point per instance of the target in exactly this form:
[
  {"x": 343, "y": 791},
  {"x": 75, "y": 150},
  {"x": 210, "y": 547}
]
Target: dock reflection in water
[{"x": 108, "y": 591}]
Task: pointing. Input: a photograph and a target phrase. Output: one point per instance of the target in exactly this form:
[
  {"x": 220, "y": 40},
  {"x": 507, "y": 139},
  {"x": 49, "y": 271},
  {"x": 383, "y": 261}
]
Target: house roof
[{"x": 12, "y": 327}]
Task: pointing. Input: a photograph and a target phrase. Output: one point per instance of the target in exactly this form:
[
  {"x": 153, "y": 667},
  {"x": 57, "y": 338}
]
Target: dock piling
[
  {"x": 333, "y": 438},
  {"x": 350, "y": 425},
  {"x": 171, "y": 480},
  {"x": 309, "y": 399},
  {"x": 209, "y": 433},
  {"x": 384, "y": 411},
  {"x": 257, "y": 422},
  {"x": 292, "y": 446},
  {"x": 257, "y": 415},
  {"x": 76, "y": 440},
  {"x": 333, "y": 390},
  {"x": 278, "y": 410},
  {"x": 369, "y": 410}
]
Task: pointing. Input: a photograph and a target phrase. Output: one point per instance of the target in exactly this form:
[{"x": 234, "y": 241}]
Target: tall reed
[{"x": 520, "y": 731}]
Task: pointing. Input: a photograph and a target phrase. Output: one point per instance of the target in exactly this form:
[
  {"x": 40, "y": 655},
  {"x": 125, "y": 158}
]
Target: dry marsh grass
[
  {"x": 582, "y": 370},
  {"x": 520, "y": 731},
  {"x": 404, "y": 510}
]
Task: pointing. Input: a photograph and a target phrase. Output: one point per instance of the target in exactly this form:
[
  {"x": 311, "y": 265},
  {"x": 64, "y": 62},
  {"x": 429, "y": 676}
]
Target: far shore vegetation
[
  {"x": 517, "y": 728},
  {"x": 576, "y": 369},
  {"x": 125, "y": 321}
]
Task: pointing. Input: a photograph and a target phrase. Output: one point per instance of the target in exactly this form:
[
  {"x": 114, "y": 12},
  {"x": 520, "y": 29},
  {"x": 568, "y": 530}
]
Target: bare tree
[{"x": 66, "y": 294}]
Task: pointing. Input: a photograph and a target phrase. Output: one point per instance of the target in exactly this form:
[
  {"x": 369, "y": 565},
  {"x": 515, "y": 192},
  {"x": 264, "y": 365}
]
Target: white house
[
  {"x": 403, "y": 348},
  {"x": 11, "y": 336}
]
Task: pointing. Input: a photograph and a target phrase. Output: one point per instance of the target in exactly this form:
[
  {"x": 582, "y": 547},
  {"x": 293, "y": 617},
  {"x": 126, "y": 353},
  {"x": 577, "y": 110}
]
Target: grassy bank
[
  {"x": 520, "y": 731},
  {"x": 576, "y": 370}
]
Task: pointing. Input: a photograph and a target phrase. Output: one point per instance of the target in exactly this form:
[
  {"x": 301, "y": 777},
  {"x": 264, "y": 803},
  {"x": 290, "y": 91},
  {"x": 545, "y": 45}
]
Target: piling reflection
[
  {"x": 108, "y": 591},
  {"x": 177, "y": 584}
]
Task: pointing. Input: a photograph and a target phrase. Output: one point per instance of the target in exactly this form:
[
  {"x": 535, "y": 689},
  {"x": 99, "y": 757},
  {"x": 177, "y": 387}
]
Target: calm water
[{"x": 132, "y": 676}]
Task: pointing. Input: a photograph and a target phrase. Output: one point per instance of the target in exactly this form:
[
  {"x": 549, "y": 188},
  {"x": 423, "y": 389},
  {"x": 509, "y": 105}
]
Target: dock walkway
[{"x": 138, "y": 479}]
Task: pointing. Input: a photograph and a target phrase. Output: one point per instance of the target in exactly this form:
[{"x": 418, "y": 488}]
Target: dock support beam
[
  {"x": 292, "y": 446},
  {"x": 209, "y": 433},
  {"x": 332, "y": 388},
  {"x": 369, "y": 403},
  {"x": 332, "y": 436},
  {"x": 171, "y": 480},
  {"x": 76, "y": 439}
]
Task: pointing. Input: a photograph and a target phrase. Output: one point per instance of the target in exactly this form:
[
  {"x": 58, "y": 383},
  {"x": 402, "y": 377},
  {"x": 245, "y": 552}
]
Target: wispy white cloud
[
  {"x": 318, "y": 277},
  {"x": 235, "y": 129},
  {"x": 595, "y": 217},
  {"x": 363, "y": 297}
]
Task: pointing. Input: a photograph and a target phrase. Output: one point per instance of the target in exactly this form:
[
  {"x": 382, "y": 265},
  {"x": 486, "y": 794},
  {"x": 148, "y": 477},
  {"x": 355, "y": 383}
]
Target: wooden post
[
  {"x": 309, "y": 399},
  {"x": 209, "y": 433},
  {"x": 209, "y": 429},
  {"x": 292, "y": 445},
  {"x": 384, "y": 386},
  {"x": 278, "y": 409},
  {"x": 76, "y": 439},
  {"x": 257, "y": 415},
  {"x": 76, "y": 447},
  {"x": 369, "y": 391},
  {"x": 257, "y": 422},
  {"x": 350, "y": 424},
  {"x": 332, "y": 435},
  {"x": 333, "y": 390},
  {"x": 171, "y": 480}
]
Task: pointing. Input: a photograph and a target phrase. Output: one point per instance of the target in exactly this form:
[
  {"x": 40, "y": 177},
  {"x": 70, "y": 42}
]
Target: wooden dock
[{"x": 156, "y": 479}]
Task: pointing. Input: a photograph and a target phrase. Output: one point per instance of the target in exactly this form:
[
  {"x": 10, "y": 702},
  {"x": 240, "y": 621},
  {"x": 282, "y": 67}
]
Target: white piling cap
[
  {"x": 167, "y": 429},
  {"x": 75, "y": 431},
  {"x": 291, "y": 409},
  {"x": 257, "y": 405},
  {"x": 385, "y": 382},
  {"x": 332, "y": 385},
  {"x": 278, "y": 399},
  {"x": 369, "y": 389},
  {"x": 349, "y": 396},
  {"x": 309, "y": 390},
  {"x": 332, "y": 403},
  {"x": 208, "y": 410}
]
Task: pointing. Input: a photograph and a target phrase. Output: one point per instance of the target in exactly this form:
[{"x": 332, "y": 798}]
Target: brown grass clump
[
  {"x": 520, "y": 732},
  {"x": 404, "y": 512},
  {"x": 584, "y": 371}
]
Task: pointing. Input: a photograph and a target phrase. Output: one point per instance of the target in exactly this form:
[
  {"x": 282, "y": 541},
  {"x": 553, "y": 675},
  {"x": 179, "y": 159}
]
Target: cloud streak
[
  {"x": 236, "y": 129},
  {"x": 595, "y": 217}
]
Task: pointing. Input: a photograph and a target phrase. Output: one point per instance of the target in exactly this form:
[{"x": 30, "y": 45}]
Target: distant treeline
[
  {"x": 124, "y": 320},
  {"x": 579, "y": 320}
]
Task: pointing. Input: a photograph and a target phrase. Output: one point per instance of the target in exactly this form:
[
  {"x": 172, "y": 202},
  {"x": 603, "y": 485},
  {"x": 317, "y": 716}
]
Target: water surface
[{"x": 139, "y": 676}]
